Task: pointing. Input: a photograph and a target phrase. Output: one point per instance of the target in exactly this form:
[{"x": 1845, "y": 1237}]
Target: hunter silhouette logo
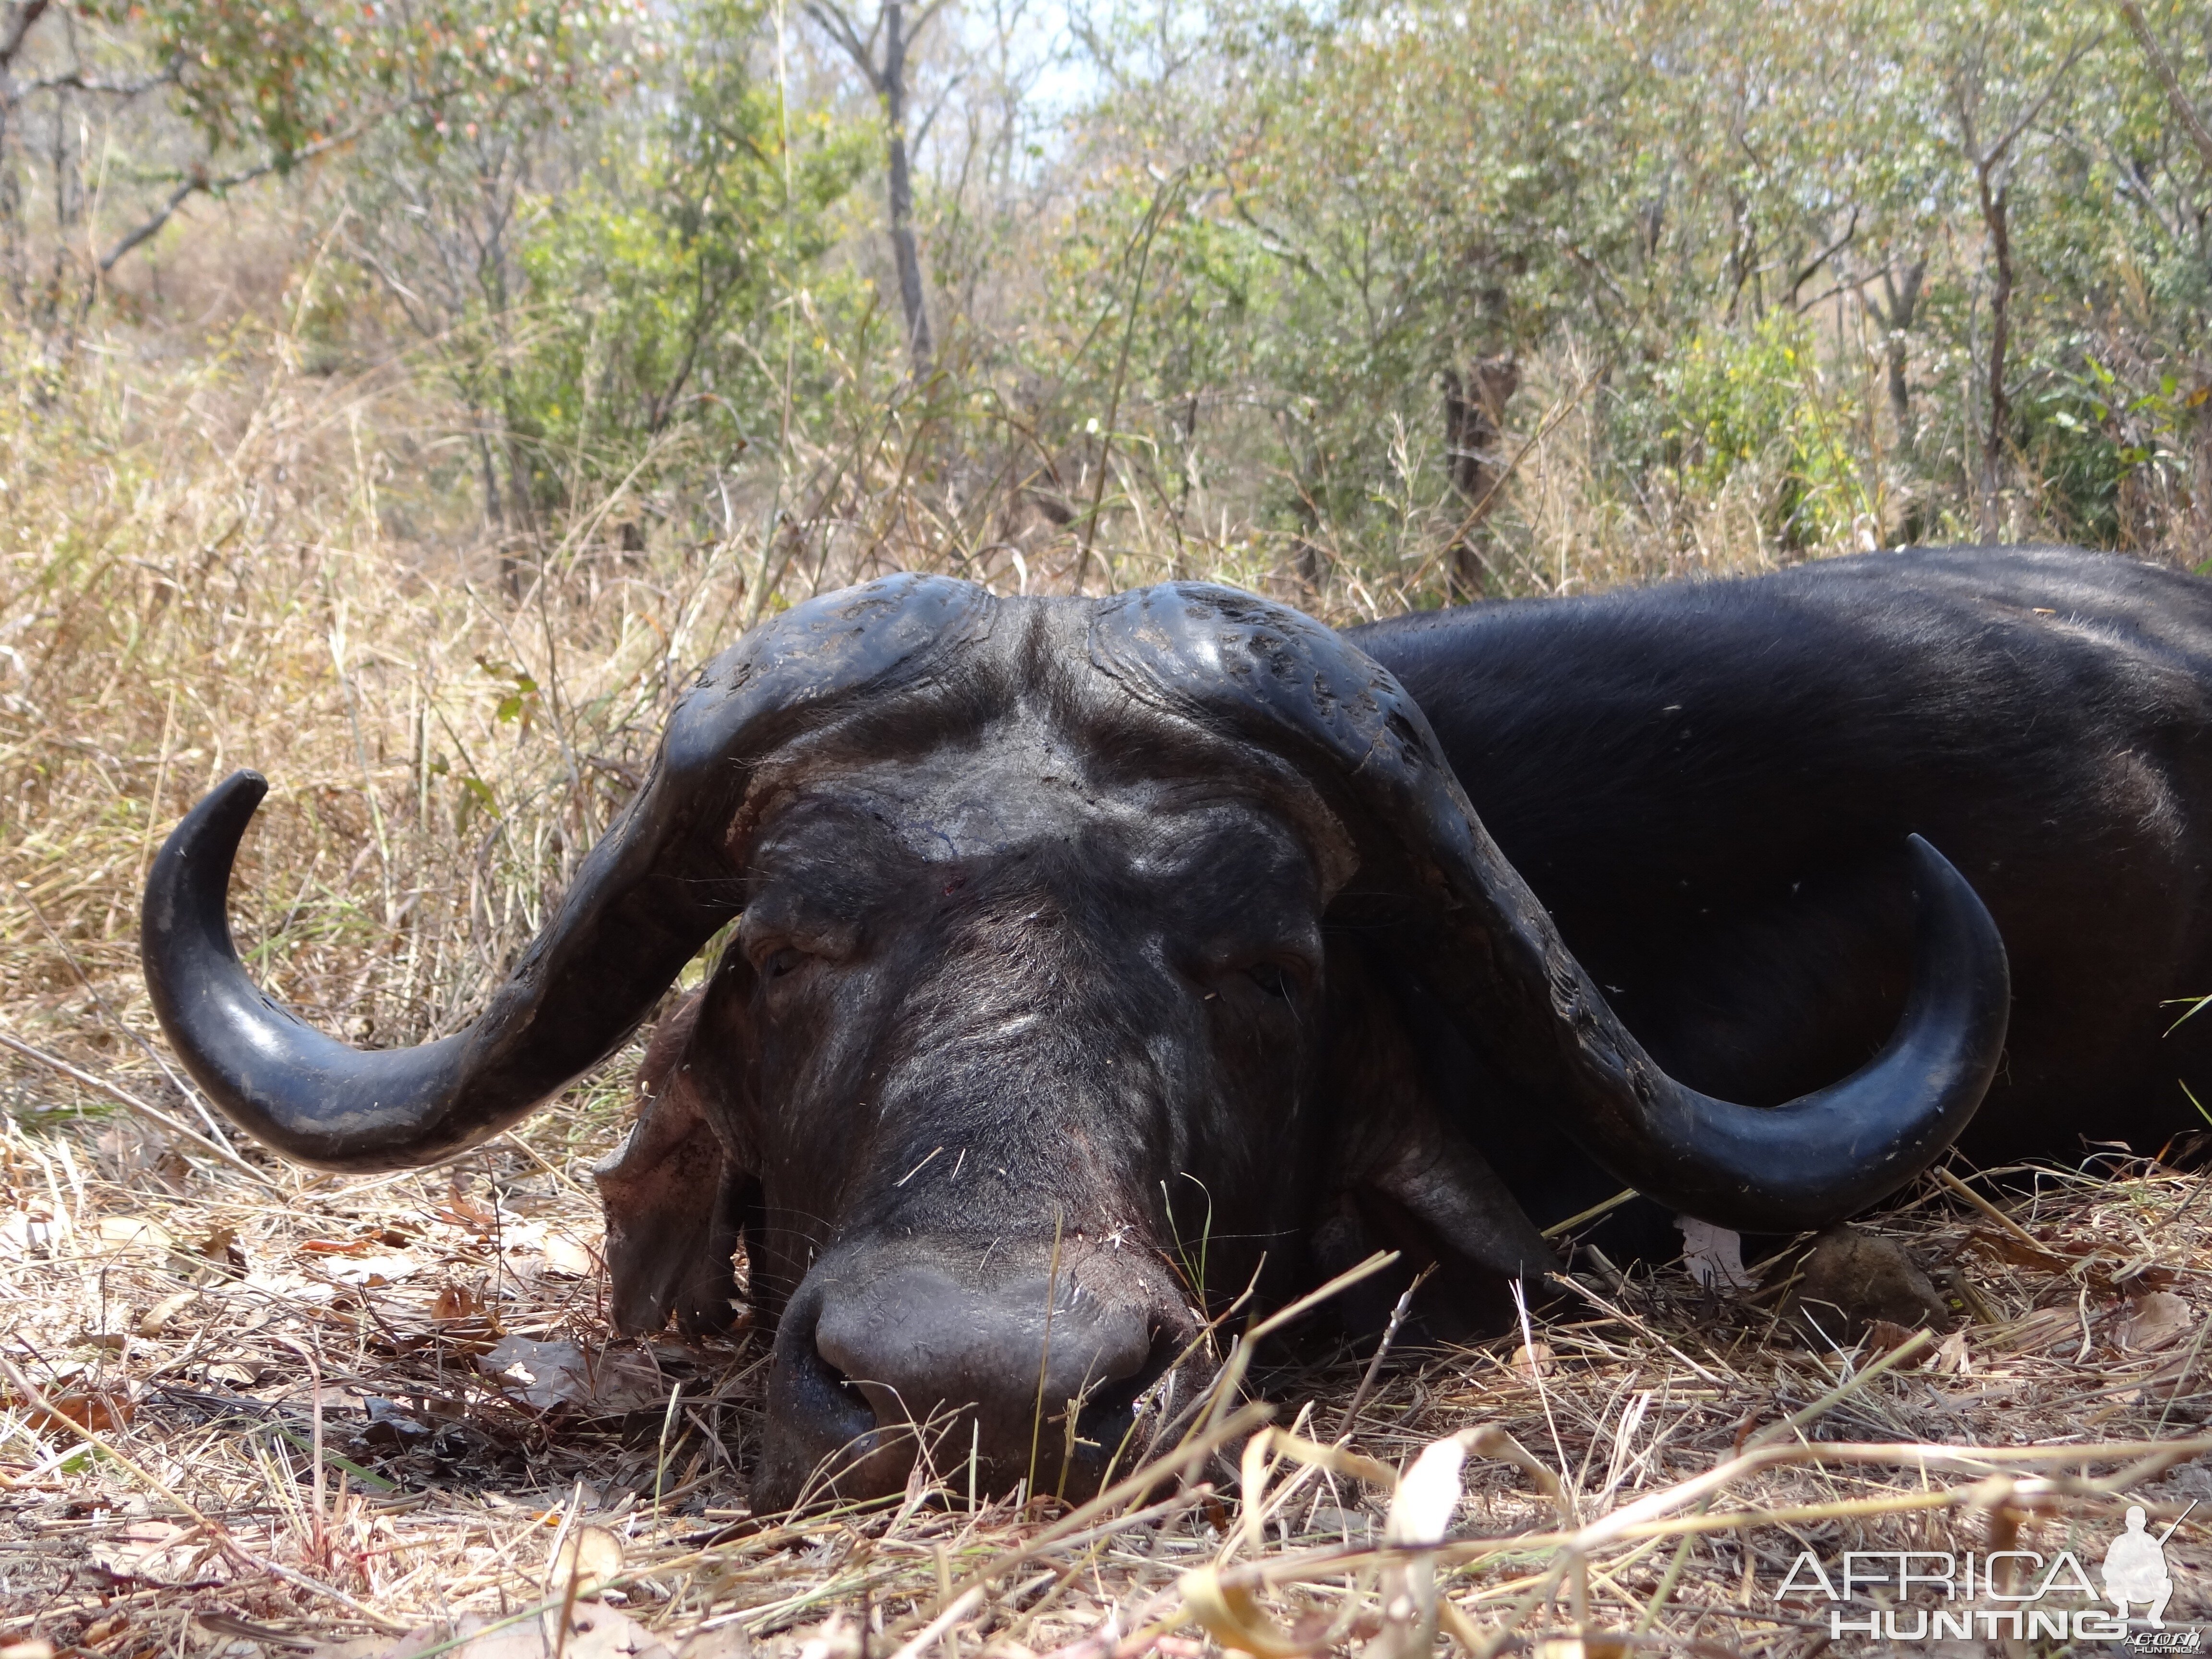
[{"x": 2135, "y": 1571}]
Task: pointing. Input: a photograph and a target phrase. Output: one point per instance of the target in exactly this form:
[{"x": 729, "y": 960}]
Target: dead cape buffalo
[{"x": 1088, "y": 950}]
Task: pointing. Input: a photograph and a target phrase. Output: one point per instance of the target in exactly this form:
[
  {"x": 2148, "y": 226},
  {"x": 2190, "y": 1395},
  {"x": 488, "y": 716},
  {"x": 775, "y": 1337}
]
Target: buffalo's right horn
[
  {"x": 1283, "y": 681},
  {"x": 649, "y": 894}
]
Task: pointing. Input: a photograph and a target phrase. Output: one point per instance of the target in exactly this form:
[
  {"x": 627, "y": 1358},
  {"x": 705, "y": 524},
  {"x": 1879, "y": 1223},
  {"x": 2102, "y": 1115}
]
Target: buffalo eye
[
  {"x": 780, "y": 961},
  {"x": 1274, "y": 979}
]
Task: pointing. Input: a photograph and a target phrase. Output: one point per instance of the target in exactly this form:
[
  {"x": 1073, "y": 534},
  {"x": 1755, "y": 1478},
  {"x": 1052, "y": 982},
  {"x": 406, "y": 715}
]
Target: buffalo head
[{"x": 1092, "y": 959}]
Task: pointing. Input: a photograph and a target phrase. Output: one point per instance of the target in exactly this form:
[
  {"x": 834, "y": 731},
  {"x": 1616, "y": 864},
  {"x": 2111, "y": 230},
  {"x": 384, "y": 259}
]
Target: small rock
[{"x": 1849, "y": 1279}]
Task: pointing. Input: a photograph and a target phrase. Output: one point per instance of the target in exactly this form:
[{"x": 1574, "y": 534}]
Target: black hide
[
  {"x": 1708, "y": 784},
  {"x": 1046, "y": 995}
]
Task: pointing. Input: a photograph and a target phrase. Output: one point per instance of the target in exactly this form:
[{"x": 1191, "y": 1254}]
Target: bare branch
[
  {"x": 161, "y": 216},
  {"x": 1805, "y": 275},
  {"x": 199, "y": 182},
  {"x": 1272, "y": 242},
  {"x": 20, "y": 19},
  {"x": 1989, "y": 161},
  {"x": 2161, "y": 66},
  {"x": 75, "y": 80},
  {"x": 839, "y": 28},
  {"x": 945, "y": 94}
]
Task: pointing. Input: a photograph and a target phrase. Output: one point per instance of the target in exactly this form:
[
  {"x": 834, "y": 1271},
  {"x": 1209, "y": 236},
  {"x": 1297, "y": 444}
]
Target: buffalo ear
[{"x": 673, "y": 1198}]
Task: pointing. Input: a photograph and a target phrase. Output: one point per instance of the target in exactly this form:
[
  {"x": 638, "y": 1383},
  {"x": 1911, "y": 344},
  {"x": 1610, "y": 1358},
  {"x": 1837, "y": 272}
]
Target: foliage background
[{"x": 403, "y": 398}]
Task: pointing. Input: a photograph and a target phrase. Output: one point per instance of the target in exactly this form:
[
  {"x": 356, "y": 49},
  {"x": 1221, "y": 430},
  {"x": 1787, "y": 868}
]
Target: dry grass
[
  {"x": 206, "y": 1336},
  {"x": 232, "y": 563}
]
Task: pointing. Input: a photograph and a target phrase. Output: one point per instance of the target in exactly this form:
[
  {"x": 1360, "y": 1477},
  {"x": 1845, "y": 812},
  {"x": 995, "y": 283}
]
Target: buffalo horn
[
  {"x": 650, "y": 893},
  {"x": 1228, "y": 659}
]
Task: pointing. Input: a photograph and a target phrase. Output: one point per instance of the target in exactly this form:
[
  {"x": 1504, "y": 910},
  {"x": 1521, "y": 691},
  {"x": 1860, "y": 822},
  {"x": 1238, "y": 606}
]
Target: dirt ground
[{"x": 249, "y": 1410}]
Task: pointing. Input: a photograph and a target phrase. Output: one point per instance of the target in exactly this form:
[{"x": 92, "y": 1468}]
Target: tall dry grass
[{"x": 222, "y": 560}]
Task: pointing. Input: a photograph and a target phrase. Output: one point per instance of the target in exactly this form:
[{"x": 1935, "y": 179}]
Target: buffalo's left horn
[
  {"x": 650, "y": 893},
  {"x": 1229, "y": 660}
]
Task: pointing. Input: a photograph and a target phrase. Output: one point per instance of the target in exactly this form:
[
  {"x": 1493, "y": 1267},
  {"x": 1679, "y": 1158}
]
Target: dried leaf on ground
[
  {"x": 1882, "y": 1336},
  {"x": 98, "y": 1411},
  {"x": 566, "y": 1254},
  {"x": 1535, "y": 1359},
  {"x": 1952, "y": 1356},
  {"x": 594, "y": 1632},
  {"x": 564, "y": 1376},
  {"x": 157, "y": 1320},
  {"x": 1713, "y": 1255},
  {"x": 592, "y": 1555},
  {"x": 159, "y": 1553},
  {"x": 455, "y": 1302},
  {"x": 726, "y": 1641},
  {"x": 130, "y": 1232},
  {"x": 2156, "y": 1319}
]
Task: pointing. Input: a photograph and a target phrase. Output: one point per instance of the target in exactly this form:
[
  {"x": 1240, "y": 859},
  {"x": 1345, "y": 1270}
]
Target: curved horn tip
[
  {"x": 241, "y": 794},
  {"x": 1828, "y": 1155},
  {"x": 1969, "y": 945},
  {"x": 191, "y": 872},
  {"x": 1944, "y": 1052}
]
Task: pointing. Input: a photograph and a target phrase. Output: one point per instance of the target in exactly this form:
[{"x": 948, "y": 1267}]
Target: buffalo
[{"x": 1096, "y": 960}]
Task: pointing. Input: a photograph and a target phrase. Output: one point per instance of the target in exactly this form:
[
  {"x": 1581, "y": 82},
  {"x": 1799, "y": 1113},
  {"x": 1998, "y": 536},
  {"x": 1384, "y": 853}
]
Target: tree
[
  {"x": 481, "y": 89},
  {"x": 260, "y": 88},
  {"x": 1983, "y": 96},
  {"x": 2184, "y": 111},
  {"x": 887, "y": 73},
  {"x": 652, "y": 275}
]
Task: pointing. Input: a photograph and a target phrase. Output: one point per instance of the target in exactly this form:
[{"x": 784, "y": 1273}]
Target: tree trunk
[
  {"x": 16, "y": 25},
  {"x": 1475, "y": 413},
  {"x": 1994, "y": 216},
  {"x": 905, "y": 255},
  {"x": 1743, "y": 254},
  {"x": 1903, "y": 297}
]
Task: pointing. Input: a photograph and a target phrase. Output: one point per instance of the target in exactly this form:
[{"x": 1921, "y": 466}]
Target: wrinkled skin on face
[
  {"x": 1015, "y": 1062},
  {"x": 1008, "y": 1000}
]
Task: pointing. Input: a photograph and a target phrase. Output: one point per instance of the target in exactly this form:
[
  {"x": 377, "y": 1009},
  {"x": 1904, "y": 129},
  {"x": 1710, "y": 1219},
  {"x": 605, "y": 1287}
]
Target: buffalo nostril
[
  {"x": 834, "y": 1407},
  {"x": 824, "y": 1432},
  {"x": 964, "y": 1370},
  {"x": 1107, "y": 1420}
]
